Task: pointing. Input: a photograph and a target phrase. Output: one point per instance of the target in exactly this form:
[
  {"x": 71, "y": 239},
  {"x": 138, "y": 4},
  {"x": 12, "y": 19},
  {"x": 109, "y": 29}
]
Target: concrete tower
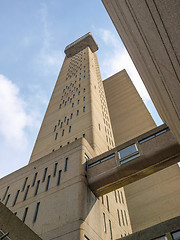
[
  {"x": 51, "y": 194},
  {"x": 78, "y": 105}
]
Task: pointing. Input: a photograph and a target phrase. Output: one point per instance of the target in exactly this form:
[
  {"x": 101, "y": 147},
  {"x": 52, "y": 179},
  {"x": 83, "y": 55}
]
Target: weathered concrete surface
[{"x": 16, "y": 228}]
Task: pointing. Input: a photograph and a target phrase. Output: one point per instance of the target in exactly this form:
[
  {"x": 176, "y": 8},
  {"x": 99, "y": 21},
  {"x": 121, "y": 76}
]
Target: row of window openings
[
  {"x": 110, "y": 225},
  {"x": 35, "y": 214},
  {"x": 38, "y": 183},
  {"x": 63, "y": 131},
  {"x": 84, "y": 135},
  {"x": 71, "y": 91},
  {"x": 65, "y": 102},
  {"x": 120, "y": 196}
]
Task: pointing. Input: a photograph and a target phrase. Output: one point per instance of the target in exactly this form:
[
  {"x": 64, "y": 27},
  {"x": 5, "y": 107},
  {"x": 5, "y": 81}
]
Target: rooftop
[{"x": 85, "y": 41}]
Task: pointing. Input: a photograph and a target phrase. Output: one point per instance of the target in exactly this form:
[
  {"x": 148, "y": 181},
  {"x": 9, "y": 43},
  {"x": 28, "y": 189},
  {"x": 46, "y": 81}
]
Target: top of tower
[{"x": 85, "y": 41}]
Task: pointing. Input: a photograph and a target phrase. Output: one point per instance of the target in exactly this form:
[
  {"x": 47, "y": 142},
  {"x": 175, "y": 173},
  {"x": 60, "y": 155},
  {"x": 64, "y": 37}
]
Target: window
[
  {"x": 84, "y": 90},
  {"x": 26, "y": 193},
  {"x": 119, "y": 220},
  {"x": 110, "y": 229},
  {"x": 71, "y": 115},
  {"x": 45, "y": 172},
  {"x": 56, "y": 136},
  {"x": 84, "y": 135},
  {"x": 77, "y": 112},
  {"x": 128, "y": 153},
  {"x": 64, "y": 119},
  {"x": 72, "y": 104},
  {"x": 5, "y": 193},
  {"x": 35, "y": 176},
  {"x": 125, "y": 217},
  {"x": 161, "y": 238},
  {"x": 75, "y": 139},
  {"x": 86, "y": 159},
  {"x": 59, "y": 178},
  {"x": 24, "y": 184},
  {"x": 84, "y": 99},
  {"x": 102, "y": 198},
  {"x": 86, "y": 238},
  {"x": 16, "y": 197},
  {"x": 66, "y": 164},
  {"x": 55, "y": 128},
  {"x": 61, "y": 125},
  {"x": 122, "y": 197},
  {"x": 36, "y": 212},
  {"x": 119, "y": 197},
  {"x": 176, "y": 235},
  {"x": 7, "y": 199},
  {"x": 122, "y": 217},
  {"x": 115, "y": 195},
  {"x": 84, "y": 77},
  {"x": 48, "y": 181},
  {"x": 69, "y": 129},
  {"x": 107, "y": 200},
  {"x": 25, "y": 214},
  {"x": 84, "y": 109},
  {"x": 59, "y": 122},
  {"x": 59, "y": 106},
  {"x": 63, "y": 132},
  {"x": 55, "y": 169},
  {"x": 78, "y": 101},
  {"x": 37, "y": 187},
  {"x": 79, "y": 93},
  {"x": 104, "y": 221},
  {"x": 67, "y": 121}
]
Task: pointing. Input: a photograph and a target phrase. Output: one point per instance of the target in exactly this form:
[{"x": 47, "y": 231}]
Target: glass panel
[
  {"x": 161, "y": 238},
  {"x": 176, "y": 235},
  {"x": 128, "y": 151}
]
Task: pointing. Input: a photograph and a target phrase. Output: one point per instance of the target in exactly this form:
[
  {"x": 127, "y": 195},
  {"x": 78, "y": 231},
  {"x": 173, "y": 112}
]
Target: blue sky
[{"x": 32, "y": 41}]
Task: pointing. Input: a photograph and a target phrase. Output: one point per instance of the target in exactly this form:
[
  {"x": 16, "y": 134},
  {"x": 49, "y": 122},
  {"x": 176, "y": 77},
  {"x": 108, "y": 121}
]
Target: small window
[
  {"x": 26, "y": 193},
  {"x": 37, "y": 187},
  {"x": 176, "y": 235},
  {"x": 73, "y": 95},
  {"x": 79, "y": 93},
  {"x": 35, "y": 176},
  {"x": 59, "y": 178},
  {"x": 84, "y": 90},
  {"x": 48, "y": 181},
  {"x": 72, "y": 104},
  {"x": 36, "y": 212},
  {"x": 66, "y": 164},
  {"x": 84, "y": 109},
  {"x": 64, "y": 119},
  {"x": 63, "y": 132},
  {"x": 67, "y": 121},
  {"x": 84, "y": 99},
  {"x": 55, "y": 169},
  {"x": 84, "y": 135},
  {"x": 24, "y": 184},
  {"x": 55, "y": 128},
  {"x": 7, "y": 199},
  {"x": 77, "y": 112},
  {"x": 104, "y": 221},
  {"x": 25, "y": 214},
  {"x": 59, "y": 106},
  {"x": 69, "y": 129},
  {"x": 75, "y": 139},
  {"x": 78, "y": 101},
  {"x": 5, "y": 193},
  {"x": 71, "y": 116},
  {"x": 56, "y": 136},
  {"x": 110, "y": 229},
  {"x": 107, "y": 200},
  {"x": 16, "y": 197},
  {"x": 45, "y": 172},
  {"x": 79, "y": 79},
  {"x": 119, "y": 219}
]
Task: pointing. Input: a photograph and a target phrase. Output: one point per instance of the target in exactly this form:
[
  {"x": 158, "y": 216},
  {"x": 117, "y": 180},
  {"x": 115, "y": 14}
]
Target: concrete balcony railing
[{"x": 133, "y": 160}]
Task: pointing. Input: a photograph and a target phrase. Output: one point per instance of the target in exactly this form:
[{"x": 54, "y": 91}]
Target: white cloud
[
  {"x": 118, "y": 59},
  {"x": 14, "y": 118}
]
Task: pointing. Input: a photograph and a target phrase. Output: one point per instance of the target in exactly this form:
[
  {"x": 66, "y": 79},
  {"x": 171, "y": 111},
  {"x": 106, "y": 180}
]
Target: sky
[{"x": 33, "y": 37}]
